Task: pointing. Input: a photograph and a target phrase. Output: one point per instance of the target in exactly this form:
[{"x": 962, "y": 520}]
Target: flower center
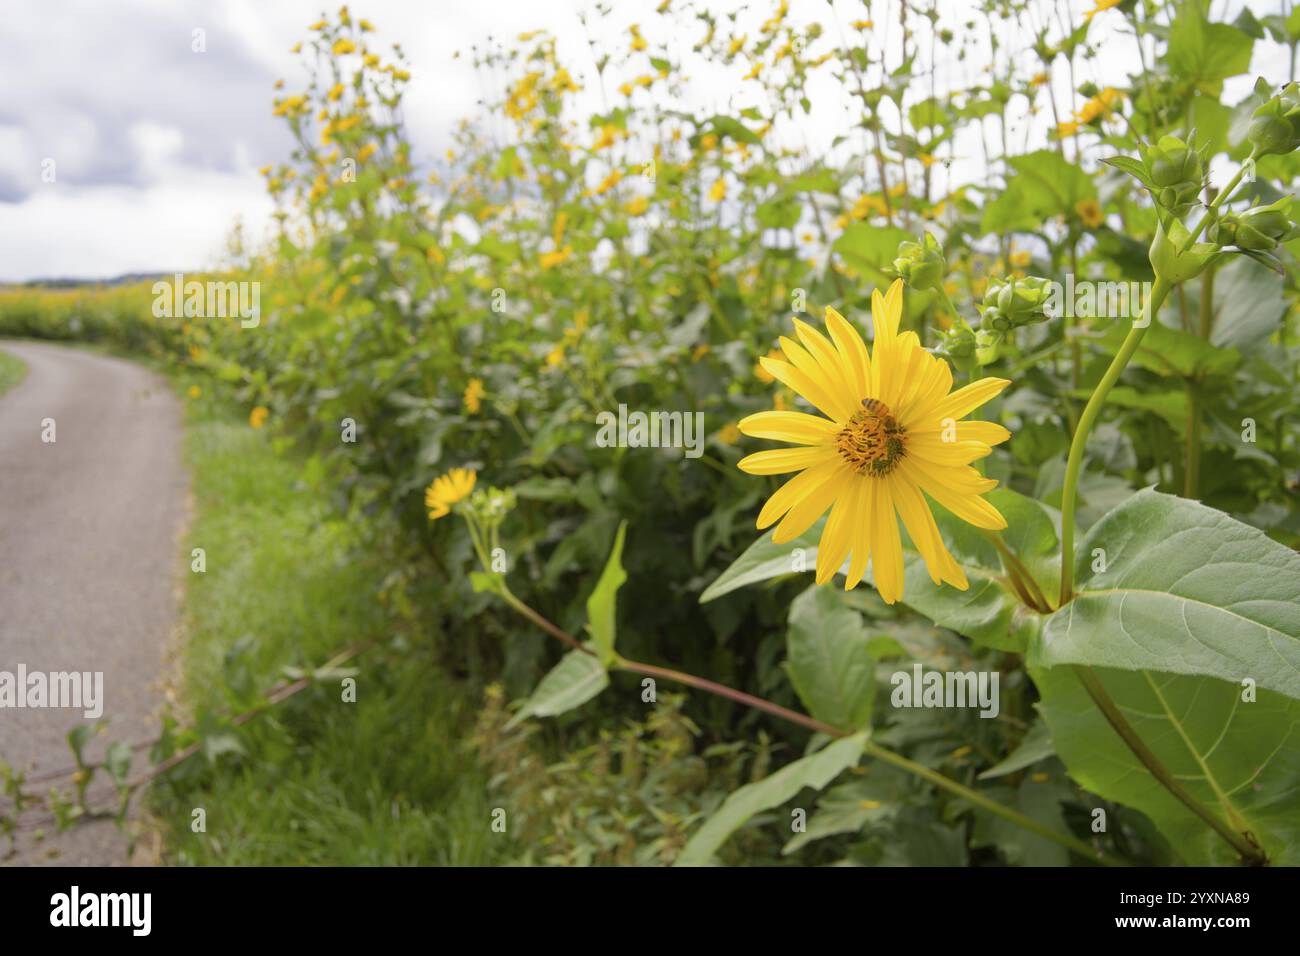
[{"x": 872, "y": 442}]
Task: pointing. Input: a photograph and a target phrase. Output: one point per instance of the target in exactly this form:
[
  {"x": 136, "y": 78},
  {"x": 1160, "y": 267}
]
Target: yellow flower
[
  {"x": 608, "y": 136},
  {"x": 1020, "y": 258},
  {"x": 862, "y": 24},
  {"x": 448, "y": 489},
  {"x": 1089, "y": 211},
  {"x": 335, "y": 92},
  {"x": 637, "y": 206},
  {"x": 1101, "y": 7},
  {"x": 366, "y": 151},
  {"x": 737, "y": 45},
  {"x": 638, "y": 41},
  {"x": 473, "y": 397},
  {"x": 257, "y": 417},
  {"x": 195, "y": 391},
  {"x": 718, "y": 191},
  {"x": 729, "y": 434},
  {"x": 549, "y": 260},
  {"x": 555, "y": 356},
  {"x": 343, "y": 46},
  {"x": 318, "y": 25},
  {"x": 1103, "y": 104},
  {"x": 1069, "y": 128},
  {"x": 1039, "y": 79},
  {"x": 366, "y": 26},
  {"x": 891, "y": 437}
]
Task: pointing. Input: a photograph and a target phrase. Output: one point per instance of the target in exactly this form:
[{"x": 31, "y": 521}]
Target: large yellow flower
[
  {"x": 448, "y": 489},
  {"x": 892, "y": 436}
]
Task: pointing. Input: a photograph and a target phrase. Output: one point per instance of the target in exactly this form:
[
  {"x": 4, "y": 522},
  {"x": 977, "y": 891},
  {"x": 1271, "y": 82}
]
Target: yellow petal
[
  {"x": 792, "y": 491},
  {"x": 795, "y": 427},
  {"x": 920, "y": 525},
  {"x": 887, "y": 547},
  {"x": 862, "y": 543},
  {"x": 965, "y": 400},
  {"x": 932, "y": 449},
  {"x": 780, "y": 461},
  {"x": 831, "y": 384},
  {"x": 833, "y": 547},
  {"x": 969, "y": 507},
  {"x": 787, "y": 374},
  {"x": 811, "y": 506},
  {"x": 852, "y": 348},
  {"x": 836, "y": 374}
]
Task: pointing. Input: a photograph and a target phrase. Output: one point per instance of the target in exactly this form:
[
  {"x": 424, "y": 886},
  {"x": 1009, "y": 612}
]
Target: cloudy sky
[{"x": 156, "y": 147}]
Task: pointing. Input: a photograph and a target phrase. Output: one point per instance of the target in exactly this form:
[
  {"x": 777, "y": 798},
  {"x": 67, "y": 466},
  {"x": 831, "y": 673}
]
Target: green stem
[
  {"x": 1090, "y": 412},
  {"x": 992, "y": 806},
  {"x": 1249, "y": 852}
]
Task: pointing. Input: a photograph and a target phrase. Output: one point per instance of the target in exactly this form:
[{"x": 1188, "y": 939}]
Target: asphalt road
[{"x": 90, "y": 559}]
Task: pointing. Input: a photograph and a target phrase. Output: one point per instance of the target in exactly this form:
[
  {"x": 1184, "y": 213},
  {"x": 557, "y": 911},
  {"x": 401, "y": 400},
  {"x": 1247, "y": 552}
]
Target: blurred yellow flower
[
  {"x": 257, "y": 417},
  {"x": 1101, "y": 7},
  {"x": 1089, "y": 211},
  {"x": 195, "y": 391},
  {"x": 549, "y": 260},
  {"x": 729, "y": 434},
  {"x": 718, "y": 191},
  {"x": 343, "y": 46},
  {"x": 637, "y": 206},
  {"x": 448, "y": 489},
  {"x": 473, "y": 396}
]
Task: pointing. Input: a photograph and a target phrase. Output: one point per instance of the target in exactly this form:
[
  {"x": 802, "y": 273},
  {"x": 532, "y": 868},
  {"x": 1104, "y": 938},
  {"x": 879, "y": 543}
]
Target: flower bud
[
  {"x": 1176, "y": 172},
  {"x": 921, "y": 264},
  {"x": 1275, "y": 126},
  {"x": 1257, "y": 230},
  {"x": 1011, "y": 303},
  {"x": 958, "y": 344},
  {"x": 988, "y": 343}
]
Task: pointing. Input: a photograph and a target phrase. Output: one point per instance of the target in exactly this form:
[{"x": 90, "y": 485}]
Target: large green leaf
[
  {"x": 1240, "y": 759},
  {"x": 989, "y": 612},
  {"x": 578, "y": 678},
  {"x": 601, "y": 606},
  {"x": 830, "y": 661},
  {"x": 1185, "y": 589},
  {"x": 1045, "y": 184},
  {"x": 815, "y": 771},
  {"x": 1206, "y": 53}
]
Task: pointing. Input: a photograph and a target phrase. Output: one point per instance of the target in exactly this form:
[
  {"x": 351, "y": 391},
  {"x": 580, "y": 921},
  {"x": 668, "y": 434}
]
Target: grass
[
  {"x": 382, "y": 780},
  {"x": 12, "y": 371}
]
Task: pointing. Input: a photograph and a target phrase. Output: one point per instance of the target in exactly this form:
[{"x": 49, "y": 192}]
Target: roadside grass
[
  {"x": 384, "y": 780},
  {"x": 12, "y": 371}
]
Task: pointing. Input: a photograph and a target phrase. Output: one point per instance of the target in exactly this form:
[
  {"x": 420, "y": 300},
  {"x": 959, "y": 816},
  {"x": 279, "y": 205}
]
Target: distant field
[{"x": 12, "y": 371}]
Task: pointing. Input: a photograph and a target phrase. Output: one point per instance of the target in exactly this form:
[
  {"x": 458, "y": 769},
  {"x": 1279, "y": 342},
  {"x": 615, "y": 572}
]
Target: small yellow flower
[
  {"x": 343, "y": 46},
  {"x": 729, "y": 434},
  {"x": 366, "y": 151},
  {"x": 637, "y": 206},
  {"x": 448, "y": 489},
  {"x": 761, "y": 371},
  {"x": 555, "y": 356},
  {"x": 1068, "y": 128},
  {"x": 473, "y": 397},
  {"x": 195, "y": 391},
  {"x": 549, "y": 260},
  {"x": 862, "y": 24},
  {"x": 1020, "y": 258},
  {"x": 1089, "y": 211},
  {"x": 718, "y": 191},
  {"x": 366, "y": 26},
  {"x": 336, "y": 91},
  {"x": 257, "y": 417}
]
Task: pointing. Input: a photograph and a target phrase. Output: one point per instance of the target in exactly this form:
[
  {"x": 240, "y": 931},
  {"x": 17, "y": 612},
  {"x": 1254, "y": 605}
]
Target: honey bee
[{"x": 892, "y": 433}]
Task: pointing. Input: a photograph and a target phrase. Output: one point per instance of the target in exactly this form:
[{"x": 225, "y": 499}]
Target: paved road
[{"x": 90, "y": 557}]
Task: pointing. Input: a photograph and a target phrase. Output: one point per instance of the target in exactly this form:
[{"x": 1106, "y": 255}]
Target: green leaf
[
  {"x": 852, "y": 805},
  {"x": 830, "y": 663},
  {"x": 764, "y": 560},
  {"x": 815, "y": 771},
  {"x": 869, "y": 248},
  {"x": 601, "y": 606},
  {"x": 1037, "y": 745},
  {"x": 1240, "y": 759},
  {"x": 571, "y": 683},
  {"x": 1045, "y": 185},
  {"x": 1206, "y": 53},
  {"x": 1186, "y": 589},
  {"x": 1173, "y": 352}
]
